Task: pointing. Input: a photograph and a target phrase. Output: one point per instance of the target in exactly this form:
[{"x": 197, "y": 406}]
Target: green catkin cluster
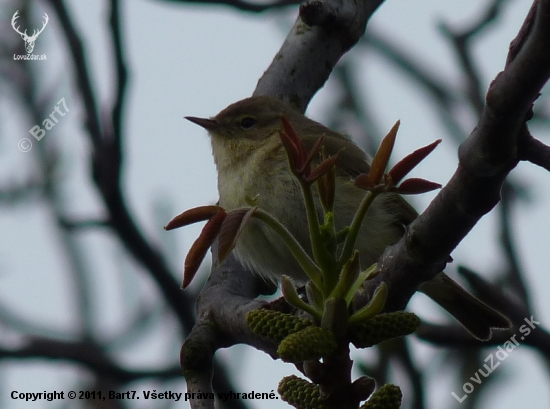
[
  {"x": 308, "y": 344},
  {"x": 300, "y": 393},
  {"x": 275, "y": 325},
  {"x": 387, "y": 397},
  {"x": 383, "y": 327}
]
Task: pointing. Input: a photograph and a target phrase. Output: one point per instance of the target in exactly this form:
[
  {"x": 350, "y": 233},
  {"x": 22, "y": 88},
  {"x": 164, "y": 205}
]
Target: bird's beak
[{"x": 208, "y": 124}]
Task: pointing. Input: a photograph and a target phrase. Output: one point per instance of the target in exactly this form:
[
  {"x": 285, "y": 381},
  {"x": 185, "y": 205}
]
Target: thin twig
[
  {"x": 240, "y": 4},
  {"x": 87, "y": 354},
  {"x": 107, "y": 163},
  {"x": 445, "y": 99}
]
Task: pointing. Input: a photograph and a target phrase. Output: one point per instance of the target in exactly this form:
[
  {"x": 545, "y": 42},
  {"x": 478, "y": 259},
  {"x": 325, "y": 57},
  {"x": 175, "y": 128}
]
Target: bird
[{"x": 252, "y": 167}]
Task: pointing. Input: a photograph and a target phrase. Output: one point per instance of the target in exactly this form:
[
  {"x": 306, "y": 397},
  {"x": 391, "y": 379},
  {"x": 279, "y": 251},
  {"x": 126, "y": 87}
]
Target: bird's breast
[{"x": 264, "y": 180}]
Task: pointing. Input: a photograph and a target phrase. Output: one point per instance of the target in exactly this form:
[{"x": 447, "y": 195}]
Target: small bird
[{"x": 252, "y": 166}]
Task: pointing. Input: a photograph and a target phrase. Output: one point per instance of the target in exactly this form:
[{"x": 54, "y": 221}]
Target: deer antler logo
[{"x": 29, "y": 40}]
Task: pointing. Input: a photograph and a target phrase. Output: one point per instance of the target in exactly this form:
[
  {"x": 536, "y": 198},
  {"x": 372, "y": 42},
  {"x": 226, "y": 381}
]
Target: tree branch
[
  {"x": 241, "y": 4},
  {"x": 310, "y": 52},
  {"x": 107, "y": 162},
  {"x": 461, "y": 40},
  {"x": 299, "y": 69},
  {"x": 86, "y": 354},
  {"x": 486, "y": 158},
  {"x": 534, "y": 151},
  {"x": 220, "y": 324},
  {"x": 444, "y": 98}
]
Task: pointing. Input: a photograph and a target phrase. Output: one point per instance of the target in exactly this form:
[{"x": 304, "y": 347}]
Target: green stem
[
  {"x": 374, "y": 307},
  {"x": 362, "y": 277},
  {"x": 351, "y": 238},
  {"x": 310, "y": 268},
  {"x": 293, "y": 298},
  {"x": 319, "y": 253}
]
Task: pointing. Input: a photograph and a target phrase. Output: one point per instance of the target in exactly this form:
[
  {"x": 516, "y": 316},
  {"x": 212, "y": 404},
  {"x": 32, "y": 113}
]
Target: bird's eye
[{"x": 248, "y": 123}]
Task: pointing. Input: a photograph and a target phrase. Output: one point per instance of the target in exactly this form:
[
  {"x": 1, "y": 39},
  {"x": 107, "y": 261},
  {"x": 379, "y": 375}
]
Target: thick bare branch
[
  {"x": 492, "y": 146},
  {"x": 310, "y": 52},
  {"x": 220, "y": 324},
  {"x": 486, "y": 158}
]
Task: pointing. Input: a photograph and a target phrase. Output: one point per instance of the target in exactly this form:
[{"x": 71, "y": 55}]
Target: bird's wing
[{"x": 352, "y": 160}]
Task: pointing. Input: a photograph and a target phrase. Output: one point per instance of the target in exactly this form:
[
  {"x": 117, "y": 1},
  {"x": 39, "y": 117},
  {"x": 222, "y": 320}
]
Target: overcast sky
[{"x": 195, "y": 60}]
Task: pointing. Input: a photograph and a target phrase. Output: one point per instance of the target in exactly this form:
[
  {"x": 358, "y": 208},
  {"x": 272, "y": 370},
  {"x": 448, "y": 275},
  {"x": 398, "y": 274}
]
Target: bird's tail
[{"x": 476, "y": 316}]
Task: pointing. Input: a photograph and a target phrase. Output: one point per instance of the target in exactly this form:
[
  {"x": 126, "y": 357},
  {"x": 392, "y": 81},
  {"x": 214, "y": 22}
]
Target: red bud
[
  {"x": 415, "y": 186},
  {"x": 200, "y": 247},
  {"x": 364, "y": 181},
  {"x": 382, "y": 156},
  {"x": 323, "y": 168},
  {"x": 311, "y": 155},
  {"x": 409, "y": 162},
  {"x": 194, "y": 215},
  {"x": 231, "y": 229}
]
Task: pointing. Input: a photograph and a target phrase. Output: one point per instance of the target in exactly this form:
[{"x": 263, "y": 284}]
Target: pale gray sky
[{"x": 195, "y": 60}]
